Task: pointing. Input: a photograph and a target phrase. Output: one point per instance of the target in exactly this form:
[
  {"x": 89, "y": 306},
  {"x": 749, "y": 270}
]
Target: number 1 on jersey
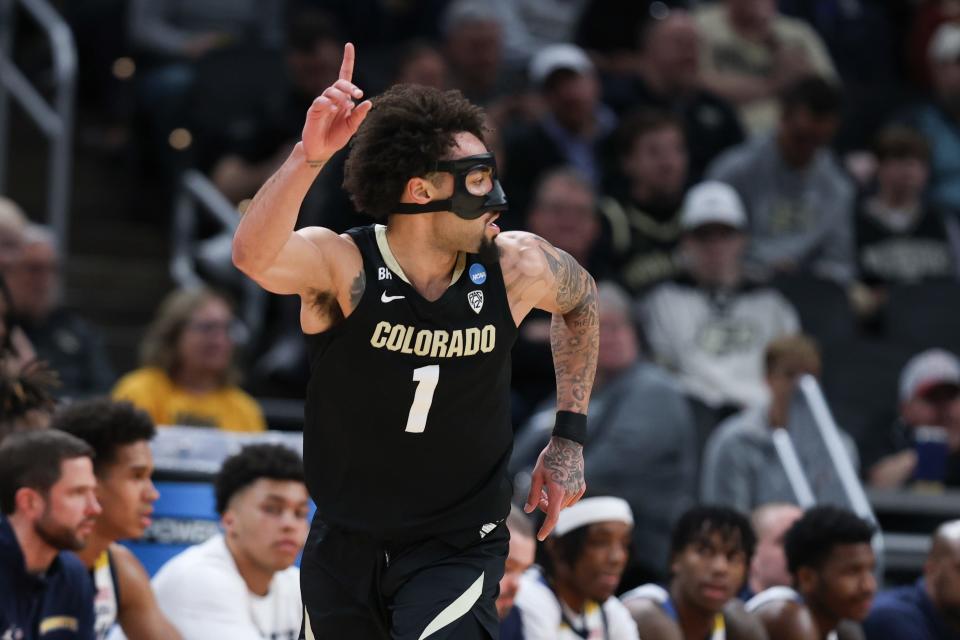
[{"x": 427, "y": 379}]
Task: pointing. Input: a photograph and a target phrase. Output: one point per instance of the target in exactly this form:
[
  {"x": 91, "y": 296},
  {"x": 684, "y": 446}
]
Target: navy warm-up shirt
[
  {"x": 906, "y": 613},
  {"x": 56, "y": 605}
]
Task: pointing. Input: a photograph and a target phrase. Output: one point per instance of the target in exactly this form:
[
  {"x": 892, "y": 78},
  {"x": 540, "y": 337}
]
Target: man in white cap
[
  {"x": 573, "y": 129},
  {"x": 711, "y": 325},
  {"x": 929, "y": 419},
  {"x": 571, "y": 596}
]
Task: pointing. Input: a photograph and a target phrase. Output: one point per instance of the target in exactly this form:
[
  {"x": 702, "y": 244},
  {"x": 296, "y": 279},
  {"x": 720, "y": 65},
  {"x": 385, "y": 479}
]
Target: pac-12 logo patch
[
  {"x": 475, "y": 298},
  {"x": 478, "y": 275}
]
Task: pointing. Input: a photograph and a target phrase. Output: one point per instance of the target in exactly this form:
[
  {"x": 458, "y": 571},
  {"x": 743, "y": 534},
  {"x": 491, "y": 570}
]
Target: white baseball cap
[
  {"x": 591, "y": 511},
  {"x": 555, "y": 57},
  {"x": 928, "y": 369},
  {"x": 712, "y": 202}
]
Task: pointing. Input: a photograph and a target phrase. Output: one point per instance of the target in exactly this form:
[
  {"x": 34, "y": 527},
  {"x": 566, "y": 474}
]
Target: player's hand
[
  {"x": 334, "y": 116},
  {"x": 557, "y": 481}
]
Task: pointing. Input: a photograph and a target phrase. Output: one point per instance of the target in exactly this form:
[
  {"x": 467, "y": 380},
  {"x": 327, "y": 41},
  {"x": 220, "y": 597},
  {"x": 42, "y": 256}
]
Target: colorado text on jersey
[{"x": 438, "y": 343}]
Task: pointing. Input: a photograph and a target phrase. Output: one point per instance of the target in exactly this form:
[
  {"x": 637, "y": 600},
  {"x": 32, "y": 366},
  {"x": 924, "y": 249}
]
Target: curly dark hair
[
  {"x": 407, "y": 131},
  {"x": 25, "y": 392},
  {"x": 566, "y": 549},
  {"x": 811, "y": 539},
  {"x": 106, "y": 425},
  {"x": 702, "y": 521},
  {"x": 255, "y": 461}
]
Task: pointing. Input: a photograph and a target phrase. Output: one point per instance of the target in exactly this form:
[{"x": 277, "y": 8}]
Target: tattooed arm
[{"x": 539, "y": 275}]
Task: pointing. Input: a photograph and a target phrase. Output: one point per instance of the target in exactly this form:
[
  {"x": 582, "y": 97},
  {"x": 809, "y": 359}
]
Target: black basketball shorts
[{"x": 356, "y": 588}]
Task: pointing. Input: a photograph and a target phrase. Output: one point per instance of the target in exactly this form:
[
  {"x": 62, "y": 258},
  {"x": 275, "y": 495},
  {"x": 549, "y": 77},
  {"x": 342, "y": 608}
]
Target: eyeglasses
[{"x": 211, "y": 327}]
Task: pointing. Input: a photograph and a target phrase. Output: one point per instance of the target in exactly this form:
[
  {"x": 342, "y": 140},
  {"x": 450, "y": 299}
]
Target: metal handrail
[
  {"x": 839, "y": 460},
  {"x": 54, "y": 120},
  {"x": 198, "y": 194}
]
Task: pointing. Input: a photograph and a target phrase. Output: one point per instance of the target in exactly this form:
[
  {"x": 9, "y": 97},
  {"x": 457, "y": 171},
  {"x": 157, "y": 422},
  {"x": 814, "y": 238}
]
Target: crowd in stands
[{"x": 767, "y": 192}]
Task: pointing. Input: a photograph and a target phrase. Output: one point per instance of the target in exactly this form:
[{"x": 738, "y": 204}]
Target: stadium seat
[
  {"x": 823, "y": 306},
  {"x": 860, "y": 380},
  {"x": 924, "y": 316}
]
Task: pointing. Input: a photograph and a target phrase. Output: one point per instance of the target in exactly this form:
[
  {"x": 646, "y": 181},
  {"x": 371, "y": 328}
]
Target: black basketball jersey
[{"x": 408, "y": 430}]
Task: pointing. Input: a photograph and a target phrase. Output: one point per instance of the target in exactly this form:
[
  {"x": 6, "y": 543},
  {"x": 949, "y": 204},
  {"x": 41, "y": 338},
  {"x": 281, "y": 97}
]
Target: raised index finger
[{"x": 346, "y": 67}]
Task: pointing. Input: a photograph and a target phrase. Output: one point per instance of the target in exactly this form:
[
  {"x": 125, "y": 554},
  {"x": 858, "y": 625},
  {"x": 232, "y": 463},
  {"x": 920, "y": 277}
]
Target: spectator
[
  {"x": 667, "y": 76},
  {"x": 641, "y": 438},
  {"x": 768, "y": 568},
  {"x": 49, "y": 504},
  {"x": 61, "y": 337},
  {"x": 643, "y": 215},
  {"x": 937, "y": 119},
  {"x": 799, "y": 201},
  {"x": 120, "y": 437},
  {"x": 832, "y": 564},
  {"x": 929, "y": 609},
  {"x": 312, "y": 62},
  {"x": 711, "y": 325},
  {"x": 187, "y": 374},
  {"x": 572, "y": 131},
  {"x": 241, "y": 584},
  {"x": 473, "y": 42},
  {"x": 26, "y": 400},
  {"x": 929, "y": 400},
  {"x": 709, "y": 555},
  {"x": 523, "y": 547},
  {"x": 900, "y": 238},
  {"x": 12, "y": 224},
  {"x": 741, "y": 466},
  {"x": 563, "y": 213},
  {"x": 15, "y": 348},
  {"x": 751, "y": 52},
  {"x": 572, "y": 597}
]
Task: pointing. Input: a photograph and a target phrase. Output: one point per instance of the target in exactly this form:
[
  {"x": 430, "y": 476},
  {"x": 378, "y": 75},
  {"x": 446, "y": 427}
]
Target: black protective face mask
[{"x": 476, "y": 189}]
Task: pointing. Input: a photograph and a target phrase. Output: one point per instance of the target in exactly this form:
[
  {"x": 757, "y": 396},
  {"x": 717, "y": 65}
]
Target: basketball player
[
  {"x": 409, "y": 328},
  {"x": 832, "y": 564},
  {"x": 120, "y": 436},
  {"x": 710, "y": 551}
]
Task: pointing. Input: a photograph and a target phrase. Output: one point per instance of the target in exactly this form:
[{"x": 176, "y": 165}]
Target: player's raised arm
[
  {"x": 265, "y": 246},
  {"x": 537, "y": 274}
]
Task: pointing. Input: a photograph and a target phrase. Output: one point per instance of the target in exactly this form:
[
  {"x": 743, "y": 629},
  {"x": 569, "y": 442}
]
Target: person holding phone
[{"x": 924, "y": 445}]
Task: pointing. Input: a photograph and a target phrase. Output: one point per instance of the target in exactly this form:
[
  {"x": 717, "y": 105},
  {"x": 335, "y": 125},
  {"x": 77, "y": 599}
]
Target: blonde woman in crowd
[{"x": 187, "y": 375}]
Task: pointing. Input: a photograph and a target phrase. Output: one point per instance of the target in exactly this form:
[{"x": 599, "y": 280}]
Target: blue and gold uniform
[{"x": 55, "y": 605}]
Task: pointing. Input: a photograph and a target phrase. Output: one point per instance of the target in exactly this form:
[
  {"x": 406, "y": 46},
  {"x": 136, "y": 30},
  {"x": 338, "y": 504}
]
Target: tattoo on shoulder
[
  {"x": 570, "y": 277},
  {"x": 357, "y": 287}
]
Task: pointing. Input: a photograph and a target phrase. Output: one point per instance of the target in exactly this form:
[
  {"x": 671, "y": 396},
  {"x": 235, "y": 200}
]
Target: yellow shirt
[{"x": 153, "y": 391}]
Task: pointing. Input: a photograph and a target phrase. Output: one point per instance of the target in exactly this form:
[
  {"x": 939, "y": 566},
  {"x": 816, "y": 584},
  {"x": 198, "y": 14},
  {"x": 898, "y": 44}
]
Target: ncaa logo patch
[
  {"x": 475, "y": 298},
  {"x": 478, "y": 275}
]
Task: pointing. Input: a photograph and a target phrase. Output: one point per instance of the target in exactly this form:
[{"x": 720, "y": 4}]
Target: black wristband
[{"x": 571, "y": 426}]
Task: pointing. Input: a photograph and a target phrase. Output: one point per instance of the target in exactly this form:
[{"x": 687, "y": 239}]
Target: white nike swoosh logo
[{"x": 386, "y": 298}]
